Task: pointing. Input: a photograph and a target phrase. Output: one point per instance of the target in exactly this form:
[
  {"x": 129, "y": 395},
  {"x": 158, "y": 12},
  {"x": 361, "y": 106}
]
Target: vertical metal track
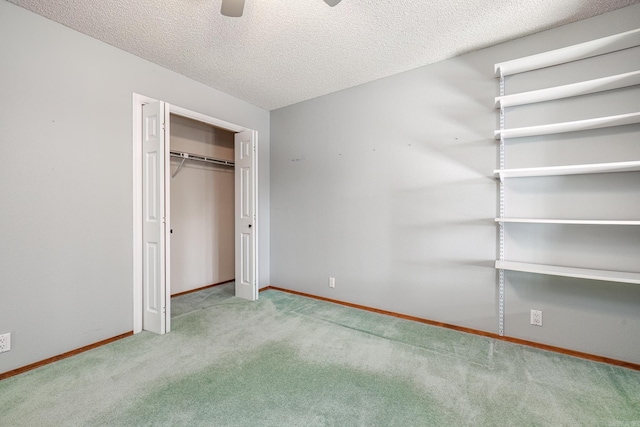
[{"x": 501, "y": 224}]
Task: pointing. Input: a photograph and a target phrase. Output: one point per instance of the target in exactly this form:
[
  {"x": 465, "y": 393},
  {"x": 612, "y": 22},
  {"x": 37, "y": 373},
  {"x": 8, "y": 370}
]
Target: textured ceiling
[{"x": 286, "y": 51}]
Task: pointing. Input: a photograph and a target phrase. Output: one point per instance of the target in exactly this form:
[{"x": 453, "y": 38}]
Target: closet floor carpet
[{"x": 288, "y": 360}]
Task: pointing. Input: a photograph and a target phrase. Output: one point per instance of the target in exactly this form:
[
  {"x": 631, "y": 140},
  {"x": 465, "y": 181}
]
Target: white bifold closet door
[
  {"x": 155, "y": 157},
  {"x": 246, "y": 216}
]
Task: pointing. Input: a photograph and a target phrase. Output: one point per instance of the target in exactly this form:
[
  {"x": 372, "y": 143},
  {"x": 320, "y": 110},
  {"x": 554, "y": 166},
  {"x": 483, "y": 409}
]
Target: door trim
[{"x": 137, "y": 102}]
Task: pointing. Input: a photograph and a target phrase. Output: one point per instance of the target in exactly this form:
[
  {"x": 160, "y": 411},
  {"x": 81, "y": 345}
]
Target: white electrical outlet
[
  {"x": 332, "y": 282},
  {"x": 5, "y": 342},
  {"x": 536, "y": 317}
]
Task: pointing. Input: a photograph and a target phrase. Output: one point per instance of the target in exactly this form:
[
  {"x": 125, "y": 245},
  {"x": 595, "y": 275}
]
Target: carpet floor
[{"x": 288, "y": 360}]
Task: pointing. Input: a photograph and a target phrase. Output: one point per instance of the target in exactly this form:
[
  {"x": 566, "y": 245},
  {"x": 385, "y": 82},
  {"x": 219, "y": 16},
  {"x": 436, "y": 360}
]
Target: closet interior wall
[{"x": 202, "y": 207}]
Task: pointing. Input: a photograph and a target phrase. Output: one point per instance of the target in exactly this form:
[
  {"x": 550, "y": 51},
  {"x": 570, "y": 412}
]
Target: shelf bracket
[{"x": 179, "y": 167}]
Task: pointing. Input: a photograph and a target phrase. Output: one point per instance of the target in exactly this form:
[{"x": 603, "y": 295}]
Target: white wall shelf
[
  {"x": 569, "y": 54},
  {"x": 626, "y": 79},
  {"x": 633, "y": 166},
  {"x": 563, "y": 127},
  {"x": 575, "y": 89},
  {"x": 567, "y": 221},
  {"x": 580, "y": 273}
]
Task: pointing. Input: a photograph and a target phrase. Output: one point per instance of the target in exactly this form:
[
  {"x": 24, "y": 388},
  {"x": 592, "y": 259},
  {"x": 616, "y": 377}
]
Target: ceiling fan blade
[
  {"x": 232, "y": 8},
  {"x": 332, "y": 2}
]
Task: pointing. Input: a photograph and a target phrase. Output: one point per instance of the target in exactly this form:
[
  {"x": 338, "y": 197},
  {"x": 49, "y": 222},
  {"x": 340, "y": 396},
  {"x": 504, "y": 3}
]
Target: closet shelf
[
  {"x": 633, "y": 166},
  {"x": 568, "y": 221},
  {"x": 199, "y": 158},
  {"x": 569, "y": 54},
  {"x": 580, "y": 273},
  {"x": 575, "y": 89},
  {"x": 563, "y": 127}
]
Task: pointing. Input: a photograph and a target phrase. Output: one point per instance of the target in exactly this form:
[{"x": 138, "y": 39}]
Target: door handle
[{"x": 249, "y": 225}]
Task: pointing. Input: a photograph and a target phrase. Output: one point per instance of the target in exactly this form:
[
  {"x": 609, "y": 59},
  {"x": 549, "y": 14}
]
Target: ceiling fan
[{"x": 234, "y": 8}]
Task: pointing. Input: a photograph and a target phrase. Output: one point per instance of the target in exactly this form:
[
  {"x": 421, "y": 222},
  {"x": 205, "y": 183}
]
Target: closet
[{"x": 201, "y": 204}]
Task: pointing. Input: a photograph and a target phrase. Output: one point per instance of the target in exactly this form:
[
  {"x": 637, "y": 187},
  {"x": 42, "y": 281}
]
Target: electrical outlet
[
  {"x": 332, "y": 282},
  {"x": 5, "y": 342},
  {"x": 536, "y": 317}
]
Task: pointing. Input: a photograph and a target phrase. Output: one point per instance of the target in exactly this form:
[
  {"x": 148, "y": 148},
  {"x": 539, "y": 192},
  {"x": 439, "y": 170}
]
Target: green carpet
[{"x": 287, "y": 360}]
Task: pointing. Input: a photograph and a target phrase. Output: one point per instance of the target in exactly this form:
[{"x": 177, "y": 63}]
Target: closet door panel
[
  {"x": 246, "y": 221},
  {"x": 153, "y": 210}
]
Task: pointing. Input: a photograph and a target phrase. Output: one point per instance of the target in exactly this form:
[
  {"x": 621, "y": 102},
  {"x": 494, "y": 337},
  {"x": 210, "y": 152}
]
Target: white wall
[
  {"x": 388, "y": 187},
  {"x": 202, "y": 207},
  {"x": 66, "y": 276}
]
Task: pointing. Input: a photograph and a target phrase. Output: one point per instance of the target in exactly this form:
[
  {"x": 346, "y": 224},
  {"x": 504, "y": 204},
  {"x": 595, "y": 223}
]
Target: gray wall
[
  {"x": 66, "y": 197},
  {"x": 388, "y": 187}
]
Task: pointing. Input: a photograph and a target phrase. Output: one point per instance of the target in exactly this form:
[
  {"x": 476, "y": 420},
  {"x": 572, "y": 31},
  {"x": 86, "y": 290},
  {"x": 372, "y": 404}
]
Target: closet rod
[{"x": 197, "y": 157}]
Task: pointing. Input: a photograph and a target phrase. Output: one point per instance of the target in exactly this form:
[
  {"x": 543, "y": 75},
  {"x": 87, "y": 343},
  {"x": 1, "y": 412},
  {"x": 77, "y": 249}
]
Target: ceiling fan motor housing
[{"x": 234, "y": 8}]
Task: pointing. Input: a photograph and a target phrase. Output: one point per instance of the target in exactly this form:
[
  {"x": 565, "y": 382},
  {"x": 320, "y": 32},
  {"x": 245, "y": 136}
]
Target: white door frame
[{"x": 138, "y": 102}]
